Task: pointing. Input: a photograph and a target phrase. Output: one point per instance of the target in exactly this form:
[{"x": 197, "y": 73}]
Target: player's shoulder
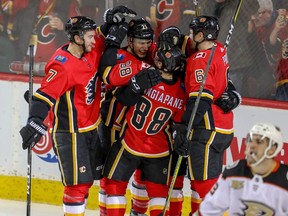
[
  {"x": 279, "y": 176},
  {"x": 237, "y": 168}
]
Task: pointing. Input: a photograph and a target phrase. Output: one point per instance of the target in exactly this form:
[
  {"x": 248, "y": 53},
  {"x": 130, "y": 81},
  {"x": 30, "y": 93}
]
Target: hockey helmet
[
  {"x": 140, "y": 28},
  {"x": 78, "y": 25},
  {"x": 208, "y": 25},
  {"x": 172, "y": 59},
  {"x": 271, "y": 132}
]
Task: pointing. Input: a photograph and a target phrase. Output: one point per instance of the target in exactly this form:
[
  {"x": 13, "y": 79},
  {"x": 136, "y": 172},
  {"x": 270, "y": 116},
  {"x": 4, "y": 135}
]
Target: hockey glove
[
  {"x": 117, "y": 14},
  {"x": 229, "y": 101},
  {"x": 181, "y": 144},
  {"x": 145, "y": 79},
  {"x": 170, "y": 36},
  {"x": 32, "y": 132},
  {"x": 116, "y": 35}
]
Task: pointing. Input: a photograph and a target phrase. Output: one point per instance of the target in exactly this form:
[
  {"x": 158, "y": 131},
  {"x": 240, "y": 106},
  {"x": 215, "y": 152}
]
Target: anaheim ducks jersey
[
  {"x": 215, "y": 85},
  {"x": 73, "y": 90},
  {"x": 242, "y": 193},
  {"x": 119, "y": 75},
  {"x": 146, "y": 129}
]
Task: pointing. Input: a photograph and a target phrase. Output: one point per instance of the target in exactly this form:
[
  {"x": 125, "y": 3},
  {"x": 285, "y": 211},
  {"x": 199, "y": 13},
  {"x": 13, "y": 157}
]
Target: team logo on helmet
[{"x": 203, "y": 19}]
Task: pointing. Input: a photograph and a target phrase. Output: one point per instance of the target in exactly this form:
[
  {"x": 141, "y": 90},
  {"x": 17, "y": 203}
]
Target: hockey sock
[
  {"x": 102, "y": 198},
  {"x": 199, "y": 190},
  {"x": 177, "y": 197},
  {"x": 140, "y": 198},
  {"x": 74, "y": 199},
  {"x": 156, "y": 206},
  {"x": 115, "y": 205}
]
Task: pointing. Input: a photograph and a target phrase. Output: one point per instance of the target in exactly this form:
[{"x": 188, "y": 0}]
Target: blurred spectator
[
  {"x": 40, "y": 23},
  {"x": 174, "y": 13},
  {"x": 278, "y": 39},
  {"x": 262, "y": 83},
  {"x": 239, "y": 51},
  {"x": 8, "y": 10}
]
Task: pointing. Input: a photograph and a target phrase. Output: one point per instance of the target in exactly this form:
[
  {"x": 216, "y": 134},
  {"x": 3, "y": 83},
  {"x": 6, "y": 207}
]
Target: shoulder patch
[
  {"x": 120, "y": 56},
  {"x": 60, "y": 58}
]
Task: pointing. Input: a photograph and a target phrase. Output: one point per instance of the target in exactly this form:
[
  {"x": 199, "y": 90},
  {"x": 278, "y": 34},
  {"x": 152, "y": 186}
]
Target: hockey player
[
  {"x": 117, "y": 66},
  {"x": 255, "y": 185},
  {"x": 145, "y": 138},
  {"x": 212, "y": 129},
  {"x": 72, "y": 90}
]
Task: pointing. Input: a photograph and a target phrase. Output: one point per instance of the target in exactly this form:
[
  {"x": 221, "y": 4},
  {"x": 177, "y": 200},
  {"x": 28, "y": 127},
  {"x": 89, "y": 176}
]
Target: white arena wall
[{"x": 13, "y": 160}]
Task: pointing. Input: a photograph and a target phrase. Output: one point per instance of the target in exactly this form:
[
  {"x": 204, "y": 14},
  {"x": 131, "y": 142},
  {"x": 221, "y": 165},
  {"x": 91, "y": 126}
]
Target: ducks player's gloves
[
  {"x": 145, "y": 79},
  {"x": 116, "y": 35},
  {"x": 32, "y": 132},
  {"x": 117, "y": 14}
]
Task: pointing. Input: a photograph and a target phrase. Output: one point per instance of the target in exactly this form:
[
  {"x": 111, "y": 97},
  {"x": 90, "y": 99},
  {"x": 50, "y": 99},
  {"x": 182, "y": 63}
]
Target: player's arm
[
  {"x": 230, "y": 99},
  {"x": 53, "y": 85},
  {"x": 130, "y": 94},
  {"x": 172, "y": 36}
]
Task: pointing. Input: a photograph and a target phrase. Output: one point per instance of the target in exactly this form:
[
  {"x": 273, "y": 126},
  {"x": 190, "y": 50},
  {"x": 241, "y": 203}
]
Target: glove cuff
[
  {"x": 238, "y": 96},
  {"x": 38, "y": 126}
]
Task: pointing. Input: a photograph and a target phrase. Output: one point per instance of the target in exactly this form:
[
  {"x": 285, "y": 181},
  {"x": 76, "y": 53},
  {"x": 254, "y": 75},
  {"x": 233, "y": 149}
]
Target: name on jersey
[{"x": 164, "y": 98}]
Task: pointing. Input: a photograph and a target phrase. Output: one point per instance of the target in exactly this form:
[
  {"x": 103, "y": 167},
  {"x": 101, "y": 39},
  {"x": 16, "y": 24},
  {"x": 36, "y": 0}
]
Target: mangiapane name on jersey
[{"x": 164, "y": 98}]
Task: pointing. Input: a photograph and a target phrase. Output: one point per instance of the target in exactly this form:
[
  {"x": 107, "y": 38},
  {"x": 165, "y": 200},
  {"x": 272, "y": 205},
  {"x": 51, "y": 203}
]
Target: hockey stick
[
  {"x": 189, "y": 128},
  {"x": 153, "y": 13},
  {"x": 29, "y": 156},
  {"x": 191, "y": 120},
  {"x": 197, "y": 7},
  {"x": 232, "y": 23}
]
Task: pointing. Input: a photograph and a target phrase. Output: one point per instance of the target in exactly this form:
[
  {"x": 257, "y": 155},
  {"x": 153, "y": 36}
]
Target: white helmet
[{"x": 274, "y": 135}]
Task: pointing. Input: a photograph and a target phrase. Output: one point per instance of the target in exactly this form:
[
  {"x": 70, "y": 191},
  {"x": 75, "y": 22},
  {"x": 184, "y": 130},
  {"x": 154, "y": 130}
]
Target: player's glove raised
[
  {"x": 117, "y": 14},
  {"x": 170, "y": 36},
  {"x": 32, "y": 132},
  {"x": 116, "y": 35},
  {"x": 182, "y": 146},
  {"x": 145, "y": 79},
  {"x": 229, "y": 100}
]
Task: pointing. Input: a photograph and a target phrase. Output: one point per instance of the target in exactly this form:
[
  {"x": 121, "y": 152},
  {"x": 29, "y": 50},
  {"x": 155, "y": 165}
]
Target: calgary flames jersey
[
  {"x": 146, "y": 129},
  {"x": 242, "y": 193},
  {"x": 73, "y": 90},
  {"x": 215, "y": 85},
  {"x": 119, "y": 75}
]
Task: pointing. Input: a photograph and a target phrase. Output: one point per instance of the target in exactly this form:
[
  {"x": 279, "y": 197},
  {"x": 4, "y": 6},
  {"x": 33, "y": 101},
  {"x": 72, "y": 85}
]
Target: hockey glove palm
[
  {"x": 169, "y": 37},
  {"x": 145, "y": 79},
  {"x": 32, "y": 132},
  {"x": 181, "y": 144},
  {"x": 117, "y": 14},
  {"x": 229, "y": 101},
  {"x": 116, "y": 35}
]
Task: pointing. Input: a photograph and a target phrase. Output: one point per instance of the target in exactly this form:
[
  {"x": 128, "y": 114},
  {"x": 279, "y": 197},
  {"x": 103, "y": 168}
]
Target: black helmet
[
  {"x": 78, "y": 25},
  {"x": 208, "y": 25},
  {"x": 141, "y": 29},
  {"x": 172, "y": 59}
]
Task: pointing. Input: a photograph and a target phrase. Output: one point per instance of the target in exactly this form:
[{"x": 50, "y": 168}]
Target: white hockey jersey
[{"x": 242, "y": 193}]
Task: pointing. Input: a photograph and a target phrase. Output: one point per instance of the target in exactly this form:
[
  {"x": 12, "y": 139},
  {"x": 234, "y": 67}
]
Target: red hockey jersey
[
  {"x": 146, "y": 129},
  {"x": 72, "y": 88},
  {"x": 119, "y": 75},
  {"x": 216, "y": 83}
]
